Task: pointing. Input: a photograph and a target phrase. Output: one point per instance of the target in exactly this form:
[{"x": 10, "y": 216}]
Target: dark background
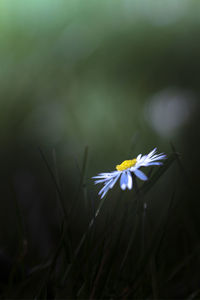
[{"x": 120, "y": 77}]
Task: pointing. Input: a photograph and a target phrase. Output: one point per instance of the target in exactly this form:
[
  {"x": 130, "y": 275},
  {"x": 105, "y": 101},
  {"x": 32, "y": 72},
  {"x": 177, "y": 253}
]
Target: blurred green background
[{"x": 120, "y": 77}]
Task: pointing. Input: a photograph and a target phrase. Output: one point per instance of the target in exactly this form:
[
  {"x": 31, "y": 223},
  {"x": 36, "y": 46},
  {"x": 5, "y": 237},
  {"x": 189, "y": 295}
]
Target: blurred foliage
[
  {"x": 120, "y": 77},
  {"x": 77, "y": 73}
]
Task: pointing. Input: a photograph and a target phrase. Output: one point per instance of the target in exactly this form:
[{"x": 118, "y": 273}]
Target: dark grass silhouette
[{"x": 127, "y": 252}]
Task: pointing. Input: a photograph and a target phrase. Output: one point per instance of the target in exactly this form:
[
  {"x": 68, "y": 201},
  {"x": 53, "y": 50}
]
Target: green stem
[{"x": 83, "y": 239}]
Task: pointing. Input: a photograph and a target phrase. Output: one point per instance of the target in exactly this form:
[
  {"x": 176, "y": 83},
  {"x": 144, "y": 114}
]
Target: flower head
[{"x": 124, "y": 170}]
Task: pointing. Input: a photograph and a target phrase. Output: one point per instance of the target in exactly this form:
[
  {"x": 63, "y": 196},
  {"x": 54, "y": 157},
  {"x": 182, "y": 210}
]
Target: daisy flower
[{"x": 124, "y": 170}]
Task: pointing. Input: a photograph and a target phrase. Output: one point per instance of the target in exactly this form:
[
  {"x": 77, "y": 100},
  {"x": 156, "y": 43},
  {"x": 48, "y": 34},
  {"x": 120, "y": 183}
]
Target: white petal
[
  {"x": 143, "y": 158},
  {"x": 106, "y": 175},
  {"x": 123, "y": 181},
  {"x": 103, "y": 175},
  {"x": 140, "y": 175},
  {"x": 114, "y": 180},
  {"x": 99, "y": 177},
  {"x": 158, "y": 157},
  {"x": 101, "y": 180},
  {"x": 140, "y": 163},
  {"x": 132, "y": 169},
  {"x": 130, "y": 181},
  {"x": 152, "y": 152},
  {"x": 138, "y": 157},
  {"x": 106, "y": 187},
  {"x": 157, "y": 163},
  {"x": 105, "y": 191}
]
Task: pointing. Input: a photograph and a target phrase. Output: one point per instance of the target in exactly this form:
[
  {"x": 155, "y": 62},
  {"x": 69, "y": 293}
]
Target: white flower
[{"x": 124, "y": 171}]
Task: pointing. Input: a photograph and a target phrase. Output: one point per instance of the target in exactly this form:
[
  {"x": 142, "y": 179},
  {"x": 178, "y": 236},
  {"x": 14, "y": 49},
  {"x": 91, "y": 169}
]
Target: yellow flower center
[{"x": 126, "y": 164}]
